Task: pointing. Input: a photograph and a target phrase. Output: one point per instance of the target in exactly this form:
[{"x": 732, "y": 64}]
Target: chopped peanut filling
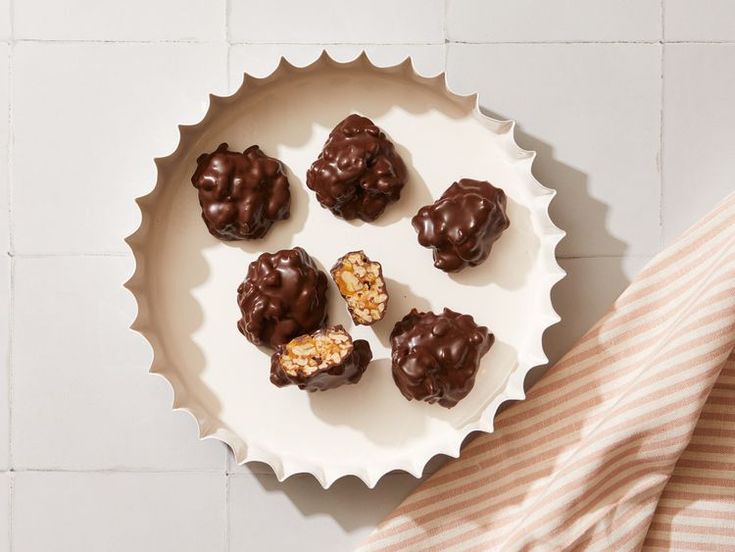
[
  {"x": 360, "y": 283},
  {"x": 306, "y": 354}
]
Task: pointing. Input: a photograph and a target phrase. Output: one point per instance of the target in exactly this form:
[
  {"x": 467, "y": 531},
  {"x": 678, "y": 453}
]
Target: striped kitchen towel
[{"x": 627, "y": 443}]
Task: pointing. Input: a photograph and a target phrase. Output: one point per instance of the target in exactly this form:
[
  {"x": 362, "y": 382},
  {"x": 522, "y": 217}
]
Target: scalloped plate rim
[{"x": 286, "y": 467}]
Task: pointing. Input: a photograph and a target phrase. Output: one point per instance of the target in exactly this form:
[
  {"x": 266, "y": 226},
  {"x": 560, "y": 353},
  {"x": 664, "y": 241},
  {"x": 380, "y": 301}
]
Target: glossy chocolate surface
[
  {"x": 435, "y": 357},
  {"x": 358, "y": 173},
  {"x": 349, "y": 370},
  {"x": 462, "y": 225},
  {"x": 241, "y": 194},
  {"x": 283, "y": 296}
]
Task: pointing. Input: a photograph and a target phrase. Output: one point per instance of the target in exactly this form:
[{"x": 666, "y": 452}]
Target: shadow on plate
[
  {"x": 506, "y": 275},
  {"x": 342, "y": 408},
  {"x": 573, "y": 200},
  {"x": 401, "y": 299}
]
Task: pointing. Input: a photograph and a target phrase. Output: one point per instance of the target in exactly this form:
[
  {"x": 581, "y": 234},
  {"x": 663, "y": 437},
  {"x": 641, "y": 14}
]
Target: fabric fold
[{"x": 610, "y": 450}]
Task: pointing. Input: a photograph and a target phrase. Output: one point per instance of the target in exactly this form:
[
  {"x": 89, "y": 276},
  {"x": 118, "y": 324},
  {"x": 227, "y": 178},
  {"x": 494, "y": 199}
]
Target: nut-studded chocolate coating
[
  {"x": 462, "y": 225},
  {"x": 358, "y": 173},
  {"x": 283, "y": 296},
  {"x": 322, "y": 360},
  {"x": 436, "y": 356},
  {"x": 241, "y": 194}
]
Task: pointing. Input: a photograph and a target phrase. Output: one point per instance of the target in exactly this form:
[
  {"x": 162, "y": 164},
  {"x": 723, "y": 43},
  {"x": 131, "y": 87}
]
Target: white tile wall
[
  {"x": 82, "y": 399},
  {"x": 699, "y": 20},
  {"x": 261, "y": 59},
  {"x": 113, "y": 20},
  {"x": 333, "y": 21},
  {"x": 4, "y": 19},
  {"x": 5, "y": 268},
  {"x": 592, "y": 111},
  {"x": 4, "y": 142},
  {"x": 632, "y": 130},
  {"x": 5, "y": 511},
  {"x": 319, "y": 521},
  {"x": 5, "y": 264},
  {"x": 699, "y": 131},
  {"x": 112, "y": 105},
  {"x": 594, "y": 282},
  {"x": 118, "y": 512},
  {"x": 553, "y": 20}
]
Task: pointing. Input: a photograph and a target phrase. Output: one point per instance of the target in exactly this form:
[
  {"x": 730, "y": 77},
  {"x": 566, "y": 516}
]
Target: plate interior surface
[{"x": 190, "y": 278}]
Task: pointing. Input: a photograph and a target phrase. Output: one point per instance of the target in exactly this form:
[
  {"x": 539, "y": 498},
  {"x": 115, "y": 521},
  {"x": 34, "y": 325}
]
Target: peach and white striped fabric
[{"x": 627, "y": 443}]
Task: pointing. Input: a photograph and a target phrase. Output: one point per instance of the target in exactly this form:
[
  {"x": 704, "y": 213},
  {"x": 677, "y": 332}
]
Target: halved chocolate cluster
[
  {"x": 324, "y": 359},
  {"x": 360, "y": 282}
]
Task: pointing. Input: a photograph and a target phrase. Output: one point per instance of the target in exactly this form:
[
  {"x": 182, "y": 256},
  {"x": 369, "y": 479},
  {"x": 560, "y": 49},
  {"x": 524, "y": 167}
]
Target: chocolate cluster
[
  {"x": 435, "y": 357},
  {"x": 322, "y": 360},
  {"x": 462, "y": 225},
  {"x": 283, "y": 296},
  {"x": 358, "y": 173},
  {"x": 241, "y": 194}
]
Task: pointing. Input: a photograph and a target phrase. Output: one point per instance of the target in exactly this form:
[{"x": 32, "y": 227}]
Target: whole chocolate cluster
[
  {"x": 321, "y": 374},
  {"x": 358, "y": 173},
  {"x": 241, "y": 194},
  {"x": 283, "y": 296},
  {"x": 435, "y": 357},
  {"x": 462, "y": 225}
]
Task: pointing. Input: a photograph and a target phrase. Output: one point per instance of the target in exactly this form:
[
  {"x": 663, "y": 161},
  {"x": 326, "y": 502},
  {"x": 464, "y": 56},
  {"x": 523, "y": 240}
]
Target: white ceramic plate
[{"x": 185, "y": 280}]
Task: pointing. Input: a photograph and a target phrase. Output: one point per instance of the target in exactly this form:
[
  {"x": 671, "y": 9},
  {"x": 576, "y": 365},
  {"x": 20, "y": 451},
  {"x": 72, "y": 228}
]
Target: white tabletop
[{"x": 629, "y": 104}]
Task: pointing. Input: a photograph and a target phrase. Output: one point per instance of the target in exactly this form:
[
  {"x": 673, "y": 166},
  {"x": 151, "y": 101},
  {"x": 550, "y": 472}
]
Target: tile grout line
[
  {"x": 228, "y": 85},
  {"x": 228, "y": 79},
  {"x": 583, "y": 42},
  {"x": 446, "y": 39},
  {"x": 698, "y": 41},
  {"x": 9, "y": 149},
  {"x": 444, "y": 21},
  {"x": 117, "y": 471},
  {"x": 11, "y": 135},
  {"x": 119, "y": 42},
  {"x": 661, "y": 132},
  {"x": 572, "y": 42},
  {"x": 10, "y": 378},
  {"x": 662, "y": 20},
  {"x": 227, "y": 510},
  {"x": 11, "y": 247},
  {"x": 228, "y": 42},
  {"x": 71, "y": 254},
  {"x": 11, "y": 327},
  {"x": 11, "y": 496},
  {"x": 362, "y": 43},
  {"x": 226, "y": 22},
  {"x": 446, "y": 60},
  {"x": 11, "y": 18},
  {"x": 661, "y": 169}
]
